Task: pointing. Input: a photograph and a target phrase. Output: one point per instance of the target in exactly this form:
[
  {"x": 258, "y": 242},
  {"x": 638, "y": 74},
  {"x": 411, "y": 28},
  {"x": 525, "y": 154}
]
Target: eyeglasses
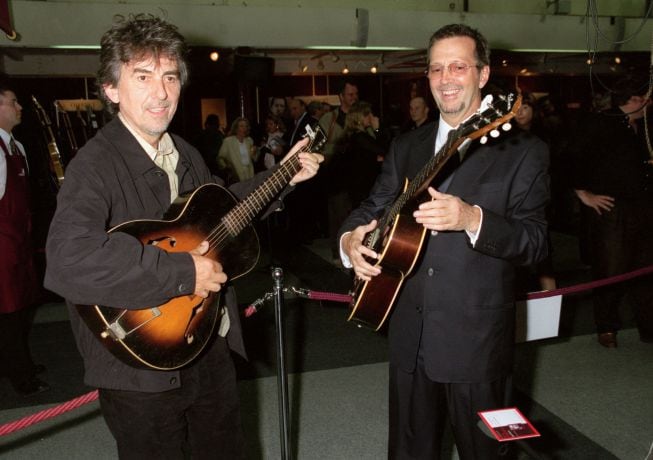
[{"x": 455, "y": 68}]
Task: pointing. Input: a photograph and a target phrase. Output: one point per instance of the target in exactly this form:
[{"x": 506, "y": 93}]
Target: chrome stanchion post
[{"x": 282, "y": 376}]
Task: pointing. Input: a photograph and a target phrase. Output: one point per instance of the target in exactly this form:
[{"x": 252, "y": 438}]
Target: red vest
[{"x": 18, "y": 284}]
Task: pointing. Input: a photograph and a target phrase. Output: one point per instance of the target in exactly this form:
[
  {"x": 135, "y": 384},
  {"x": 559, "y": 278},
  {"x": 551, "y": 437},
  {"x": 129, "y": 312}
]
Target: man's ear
[
  {"x": 484, "y": 76},
  {"x": 112, "y": 93}
]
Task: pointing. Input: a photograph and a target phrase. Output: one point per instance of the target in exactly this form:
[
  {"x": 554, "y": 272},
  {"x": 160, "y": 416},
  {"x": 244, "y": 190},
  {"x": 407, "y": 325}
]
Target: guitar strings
[{"x": 242, "y": 213}]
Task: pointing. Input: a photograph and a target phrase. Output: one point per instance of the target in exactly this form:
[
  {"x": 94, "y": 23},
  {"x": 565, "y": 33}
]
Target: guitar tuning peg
[
  {"x": 506, "y": 126},
  {"x": 494, "y": 133},
  {"x": 483, "y": 140}
]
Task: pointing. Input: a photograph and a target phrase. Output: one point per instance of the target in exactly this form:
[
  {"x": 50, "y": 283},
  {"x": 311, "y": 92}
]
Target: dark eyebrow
[{"x": 141, "y": 70}]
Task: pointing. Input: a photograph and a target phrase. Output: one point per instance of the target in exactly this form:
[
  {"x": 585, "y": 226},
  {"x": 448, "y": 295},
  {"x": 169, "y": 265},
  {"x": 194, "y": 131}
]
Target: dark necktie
[{"x": 13, "y": 148}]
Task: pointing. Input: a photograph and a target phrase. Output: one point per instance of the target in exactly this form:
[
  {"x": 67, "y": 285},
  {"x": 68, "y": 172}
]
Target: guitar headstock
[
  {"x": 41, "y": 113},
  {"x": 317, "y": 139},
  {"x": 495, "y": 112}
]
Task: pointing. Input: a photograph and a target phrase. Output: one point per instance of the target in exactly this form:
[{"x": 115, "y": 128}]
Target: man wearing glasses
[{"x": 451, "y": 331}]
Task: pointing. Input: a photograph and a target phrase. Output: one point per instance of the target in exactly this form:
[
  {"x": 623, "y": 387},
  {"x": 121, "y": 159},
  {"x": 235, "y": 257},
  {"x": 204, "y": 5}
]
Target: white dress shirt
[{"x": 6, "y": 137}]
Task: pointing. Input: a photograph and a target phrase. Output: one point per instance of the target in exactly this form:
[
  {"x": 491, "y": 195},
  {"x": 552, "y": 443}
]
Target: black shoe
[
  {"x": 31, "y": 386},
  {"x": 608, "y": 339}
]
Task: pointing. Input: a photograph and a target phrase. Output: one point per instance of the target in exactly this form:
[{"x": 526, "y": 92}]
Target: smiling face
[
  {"x": 456, "y": 95},
  {"x": 147, "y": 94}
]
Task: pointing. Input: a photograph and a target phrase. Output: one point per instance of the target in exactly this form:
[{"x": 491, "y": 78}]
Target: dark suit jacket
[
  {"x": 111, "y": 181},
  {"x": 294, "y": 135},
  {"x": 460, "y": 299}
]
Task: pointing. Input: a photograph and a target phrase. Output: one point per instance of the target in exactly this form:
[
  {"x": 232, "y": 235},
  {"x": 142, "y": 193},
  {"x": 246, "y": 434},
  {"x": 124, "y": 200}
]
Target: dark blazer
[
  {"x": 460, "y": 299},
  {"x": 294, "y": 135},
  {"x": 110, "y": 181}
]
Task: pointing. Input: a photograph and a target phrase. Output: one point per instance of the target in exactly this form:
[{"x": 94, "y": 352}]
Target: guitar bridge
[{"x": 117, "y": 332}]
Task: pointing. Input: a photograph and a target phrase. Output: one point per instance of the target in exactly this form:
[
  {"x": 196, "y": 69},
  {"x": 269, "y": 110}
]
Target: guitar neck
[
  {"x": 422, "y": 180},
  {"x": 243, "y": 213}
]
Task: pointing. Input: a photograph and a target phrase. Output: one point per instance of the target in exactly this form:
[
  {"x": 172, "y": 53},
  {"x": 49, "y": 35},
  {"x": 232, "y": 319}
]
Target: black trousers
[
  {"x": 418, "y": 413},
  {"x": 15, "y": 357},
  {"x": 619, "y": 241},
  {"x": 199, "y": 420}
]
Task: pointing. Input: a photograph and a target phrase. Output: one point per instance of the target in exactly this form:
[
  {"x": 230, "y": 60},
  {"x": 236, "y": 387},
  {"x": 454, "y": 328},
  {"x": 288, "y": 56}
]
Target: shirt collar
[
  {"x": 6, "y": 137},
  {"x": 165, "y": 143}
]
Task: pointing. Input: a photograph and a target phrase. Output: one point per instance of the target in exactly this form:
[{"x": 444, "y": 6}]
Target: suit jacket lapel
[
  {"x": 423, "y": 152},
  {"x": 477, "y": 161}
]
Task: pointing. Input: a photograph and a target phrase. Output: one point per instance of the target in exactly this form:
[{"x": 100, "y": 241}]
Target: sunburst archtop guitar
[
  {"x": 398, "y": 239},
  {"x": 171, "y": 335}
]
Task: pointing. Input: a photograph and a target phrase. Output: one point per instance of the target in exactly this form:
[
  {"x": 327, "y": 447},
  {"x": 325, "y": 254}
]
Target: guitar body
[
  {"x": 399, "y": 248},
  {"x": 170, "y": 335}
]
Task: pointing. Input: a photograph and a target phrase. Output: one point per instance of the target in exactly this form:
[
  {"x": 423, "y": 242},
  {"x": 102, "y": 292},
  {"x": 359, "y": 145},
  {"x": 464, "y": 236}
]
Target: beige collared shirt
[{"x": 166, "y": 146}]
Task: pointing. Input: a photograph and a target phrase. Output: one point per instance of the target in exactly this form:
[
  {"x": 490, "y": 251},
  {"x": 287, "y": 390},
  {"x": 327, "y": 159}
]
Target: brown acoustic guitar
[
  {"x": 398, "y": 238},
  {"x": 171, "y": 335}
]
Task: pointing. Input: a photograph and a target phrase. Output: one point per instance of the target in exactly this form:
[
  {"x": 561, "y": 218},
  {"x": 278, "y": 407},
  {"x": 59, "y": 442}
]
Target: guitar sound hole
[{"x": 172, "y": 242}]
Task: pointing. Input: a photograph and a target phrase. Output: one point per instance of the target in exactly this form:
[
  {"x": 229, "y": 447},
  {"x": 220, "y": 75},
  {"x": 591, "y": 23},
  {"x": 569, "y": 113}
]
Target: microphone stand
[{"x": 282, "y": 376}]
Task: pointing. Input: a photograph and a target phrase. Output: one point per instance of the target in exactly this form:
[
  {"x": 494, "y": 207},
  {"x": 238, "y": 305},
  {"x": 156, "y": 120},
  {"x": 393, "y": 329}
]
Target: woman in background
[{"x": 237, "y": 153}]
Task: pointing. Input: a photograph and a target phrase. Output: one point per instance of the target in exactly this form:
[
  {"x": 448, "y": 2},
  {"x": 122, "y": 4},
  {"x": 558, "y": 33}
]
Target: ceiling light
[
  {"x": 214, "y": 56},
  {"x": 617, "y": 60},
  {"x": 320, "y": 65},
  {"x": 345, "y": 69},
  {"x": 334, "y": 57},
  {"x": 374, "y": 68}
]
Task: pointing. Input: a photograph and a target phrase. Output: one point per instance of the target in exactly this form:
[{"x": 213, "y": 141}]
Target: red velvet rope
[
  {"x": 48, "y": 413},
  {"x": 317, "y": 295}
]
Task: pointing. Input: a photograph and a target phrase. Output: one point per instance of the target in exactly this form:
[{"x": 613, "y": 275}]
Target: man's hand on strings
[
  {"x": 310, "y": 162},
  {"x": 209, "y": 276}
]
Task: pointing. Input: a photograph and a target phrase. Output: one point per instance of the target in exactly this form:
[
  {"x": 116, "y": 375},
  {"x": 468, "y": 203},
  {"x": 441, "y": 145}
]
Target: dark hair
[
  {"x": 300, "y": 100},
  {"x": 277, "y": 120},
  {"x": 137, "y": 37},
  {"x": 343, "y": 83},
  {"x": 274, "y": 98},
  {"x": 4, "y": 87},
  {"x": 482, "y": 48},
  {"x": 528, "y": 98},
  {"x": 313, "y": 107},
  {"x": 213, "y": 120}
]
